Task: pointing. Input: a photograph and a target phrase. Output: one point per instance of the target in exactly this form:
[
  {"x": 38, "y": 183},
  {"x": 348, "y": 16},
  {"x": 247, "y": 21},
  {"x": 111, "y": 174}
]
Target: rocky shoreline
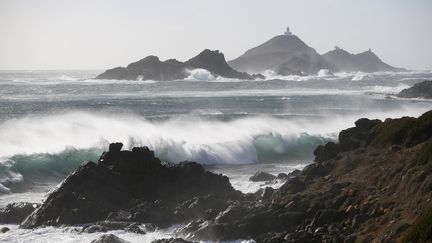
[
  {"x": 374, "y": 185},
  {"x": 419, "y": 90}
]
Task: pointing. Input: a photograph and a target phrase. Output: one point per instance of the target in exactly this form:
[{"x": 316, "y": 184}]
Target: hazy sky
[{"x": 100, "y": 34}]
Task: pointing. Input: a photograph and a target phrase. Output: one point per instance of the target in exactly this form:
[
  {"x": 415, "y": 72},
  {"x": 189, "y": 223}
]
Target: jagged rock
[
  {"x": 151, "y": 68},
  {"x": 282, "y": 176},
  {"x": 359, "y": 136},
  {"x": 171, "y": 240},
  {"x": 262, "y": 176},
  {"x": 109, "y": 238},
  {"x": 419, "y": 90},
  {"x": 105, "y": 226},
  {"x": 133, "y": 181},
  {"x": 15, "y": 213},
  {"x": 214, "y": 62},
  {"x": 326, "y": 152}
]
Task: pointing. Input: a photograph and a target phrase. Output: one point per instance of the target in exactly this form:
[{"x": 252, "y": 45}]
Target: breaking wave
[
  {"x": 50, "y": 147},
  {"x": 34, "y": 149}
]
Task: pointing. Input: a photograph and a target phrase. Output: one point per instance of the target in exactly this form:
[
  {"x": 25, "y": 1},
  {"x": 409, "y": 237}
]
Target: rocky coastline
[
  {"x": 419, "y": 90},
  {"x": 375, "y": 184}
]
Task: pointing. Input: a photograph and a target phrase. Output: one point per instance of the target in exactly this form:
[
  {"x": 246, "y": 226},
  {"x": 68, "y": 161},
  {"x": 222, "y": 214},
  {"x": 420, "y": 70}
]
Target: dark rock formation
[
  {"x": 131, "y": 186},
  {"x": 151, "y": 68},
  {"x": 354, "y": 192},
  {"x": 364, "y": 62},
  {"x": 109, "y": 238},
  {"x": 284, "y": 54},
  {"x": 15, "y": 213},
  {"x": 171, "y": 240},
  {"x": 4, "y": 229},
  {"x": 214, "y": 62},
  {"x": 419, "y": 90},
  {"x": 262, "y": 176}
]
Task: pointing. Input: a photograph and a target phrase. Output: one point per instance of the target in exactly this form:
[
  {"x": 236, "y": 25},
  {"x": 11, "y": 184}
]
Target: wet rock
[
  {"x": 105, "y": 226},
  {"x": 294, "y": 173},
  {"x": 171, "y": 240},
  {"x": 292, "y": 186},
  {"x": 262, "y": 176},
  {"x": 132, "y": 181},
  {"x": 326, "y": 152},
  {"x": 15, "y": 213},
  {"x": 4, "y": 229},
  {"x": 109, "y": 238},
  {"x": 359, "y": 136},
  {"x": 282, "y": 176}
]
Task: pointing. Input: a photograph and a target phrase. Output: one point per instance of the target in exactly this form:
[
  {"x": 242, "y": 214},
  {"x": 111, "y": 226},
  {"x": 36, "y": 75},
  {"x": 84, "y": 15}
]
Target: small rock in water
[
  {"x": 262, "y": 176},
  {"x": 15, "y": 213},
  {"x": 171, "y": 240},
  {"x": 109, "y": 238},
  {"x": 282, "y": 176},
  {"x": 4, "y": 229}
]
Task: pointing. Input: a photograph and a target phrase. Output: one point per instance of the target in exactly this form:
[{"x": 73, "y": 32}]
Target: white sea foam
[{"x": 199, "y": 74}]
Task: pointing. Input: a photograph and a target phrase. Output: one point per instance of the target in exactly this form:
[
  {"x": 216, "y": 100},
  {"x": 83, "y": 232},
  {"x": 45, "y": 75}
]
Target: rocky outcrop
[
  {"x": 419, "y": 90},
  {"x": 358, "y": 190},
  {"x": 362, "y": 62},
  {"x": 133, "y": 186},
  {"x": 109, "y": 238},
  {"x": 151, "y": 68},
  {"x": 262, "y": 176},
  {"x": 15, "y": 213}
]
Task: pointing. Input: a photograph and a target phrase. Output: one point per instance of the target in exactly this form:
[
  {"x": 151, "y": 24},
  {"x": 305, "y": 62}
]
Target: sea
[{"x": 52, "y": 121}]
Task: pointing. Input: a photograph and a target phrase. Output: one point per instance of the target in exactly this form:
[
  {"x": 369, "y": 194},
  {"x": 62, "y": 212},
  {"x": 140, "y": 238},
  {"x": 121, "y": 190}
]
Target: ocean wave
[{"x": 50, "y": 146}]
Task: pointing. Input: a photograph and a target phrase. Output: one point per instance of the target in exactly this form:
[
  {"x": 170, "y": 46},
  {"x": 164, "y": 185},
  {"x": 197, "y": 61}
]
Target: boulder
[
  {"x": 15, "y": 213},
  {"x": 135, "y": 182},
  {"x": 109, "y": 238},
  {"x": 171, "y": 240},
  {"x": 329, "y": 151},
  {"x": 262, "y": 176},
  {"x": 282, "y": 176},
  {"x": 4, "y": 229},
  {"x": 359, "y": 136}
]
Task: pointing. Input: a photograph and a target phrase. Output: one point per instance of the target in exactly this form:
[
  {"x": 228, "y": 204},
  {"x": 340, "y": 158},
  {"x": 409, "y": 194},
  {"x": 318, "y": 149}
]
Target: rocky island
[
  {"x": 151, "y": 68},
  {"x": 287, "y": 54},
  {"x": 374, "y": 185}
]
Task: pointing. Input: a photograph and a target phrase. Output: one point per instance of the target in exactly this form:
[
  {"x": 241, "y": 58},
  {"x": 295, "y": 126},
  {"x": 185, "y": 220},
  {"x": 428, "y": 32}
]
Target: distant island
[
  {"x": 287, "y": 54},
  {"x": 151, "y": 68},
  {"x": 284, "y": 54}
]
